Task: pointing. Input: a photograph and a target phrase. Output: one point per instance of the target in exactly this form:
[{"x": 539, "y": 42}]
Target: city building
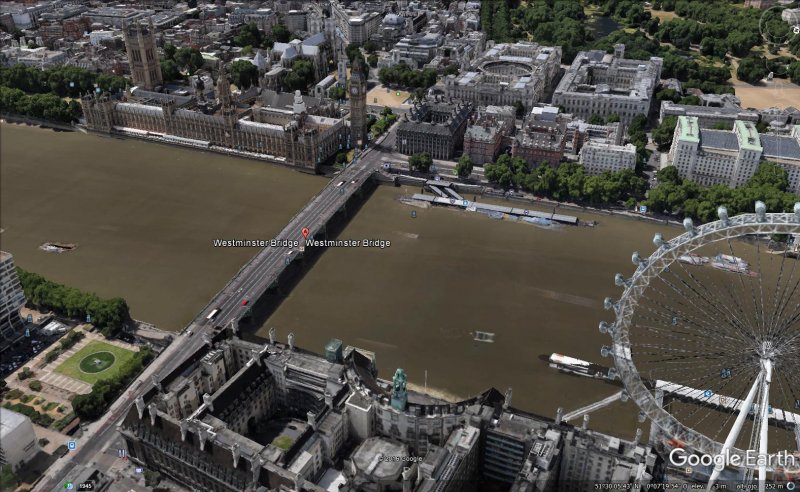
[
  {"x": 294, "y": 137},
  {"x": 709, "y": 116},
  {"x": 417, "y": 49},
  {"x": 117, "y": 17},
  {"x": 599, "y": 157},
  {"x": 392, "y": 28},
  {"x": 589, "y": 458},
  {"x": 598, "y": 83},
  {"x": 311, "y": 48},
  {"x": 358, "y": 104},
  {"x": 434, "y": 127},
  {"x": 506, "y": 74},
  {"x": 454, "y": 466},
  {"x": 486, "y": 134},
  {"x": 142, "y": 55},
  {"x": 239, "y": 416},
  {"x": 264, "y": 19},
  {"x": 730, "y": 157},
  {"x": 18, "y": 442},
  {"x": 356, "y": 26},
  {"x": 542, "y": 138},
  {"x": 759, "y": 4},
  {"x": 11, "y": 301}
]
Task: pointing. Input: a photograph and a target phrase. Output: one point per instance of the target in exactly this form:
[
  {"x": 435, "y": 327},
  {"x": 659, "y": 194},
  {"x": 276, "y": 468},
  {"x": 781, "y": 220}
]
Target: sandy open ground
[
  {"x": 379, "y": 95},
  {"x": 778, "y": 93}
]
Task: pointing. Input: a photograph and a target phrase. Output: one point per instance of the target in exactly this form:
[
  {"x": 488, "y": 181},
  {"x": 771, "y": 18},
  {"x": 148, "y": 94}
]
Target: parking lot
[{"x": 20, "y": 353}]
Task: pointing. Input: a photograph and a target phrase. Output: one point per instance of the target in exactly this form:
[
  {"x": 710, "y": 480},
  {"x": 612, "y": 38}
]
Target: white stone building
[
  {"x": 711, "y": 157},
  {"x": 506, "y": 74},
  {"x": 598, "y": 157},
  {"x": 602, "y": 84},
  {"x": 18, "y": 443}
]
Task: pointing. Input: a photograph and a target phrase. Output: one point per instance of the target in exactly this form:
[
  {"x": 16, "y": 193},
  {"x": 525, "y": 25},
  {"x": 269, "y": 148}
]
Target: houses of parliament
[{"x": 296, "y": 130}]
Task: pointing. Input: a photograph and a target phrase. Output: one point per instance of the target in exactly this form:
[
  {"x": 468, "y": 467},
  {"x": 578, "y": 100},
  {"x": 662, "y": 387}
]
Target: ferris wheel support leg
[
  {"x": 764, "y": 422},
  {"x": 797, "y": 435},
  {"x": 744, "y": 410}
]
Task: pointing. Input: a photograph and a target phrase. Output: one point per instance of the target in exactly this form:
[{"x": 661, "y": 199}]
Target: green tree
[
  {"x": 668, "y": 174},
  {"x": 612, "y": 118},
  {"x": 8, "y": 480},
  {"x": 751, "y": 69},
  {"x": 301, "y": 76},
  {"x": 25, "y": 373},
  {"x": 282, "y": 35},
  {"x": 244, "y": 74},
  {"x": 109, "y": 315},
  {"x": 596, "y": 119},
  {"x": 170, "y": 71},
  {"x": 372, "y": 60},
  {"x": 189, "y": 58},
  {"x": 151, "y": 478},
  {"x": 337, "y": 93},
  {"x": 420, "y": 162},
  {"x": 402, "y": 75},
  {"x": 770, "y": 175},
  {"x": 169, "y": 51},
  {"x": 35, "y": 385},
  {"x": 464, "y": 166},
  {"x": 370, "y": 46},
  {"x": 663, "y": 133},
  {"x": 249, "y": 35}
]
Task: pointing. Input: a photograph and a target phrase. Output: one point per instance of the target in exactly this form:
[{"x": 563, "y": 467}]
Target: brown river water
[{"x": 144, "y": 217}]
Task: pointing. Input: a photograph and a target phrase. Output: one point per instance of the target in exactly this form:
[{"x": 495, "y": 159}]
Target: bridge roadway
[{"x": 250, "y": 282}]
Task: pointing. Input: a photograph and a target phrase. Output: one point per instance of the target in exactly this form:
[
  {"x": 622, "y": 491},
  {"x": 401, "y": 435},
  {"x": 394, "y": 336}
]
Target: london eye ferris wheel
[{"x": 706, "y": 340}]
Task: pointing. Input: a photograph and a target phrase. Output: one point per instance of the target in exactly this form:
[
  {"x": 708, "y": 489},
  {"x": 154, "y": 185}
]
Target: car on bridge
[{"x": 245, "y": 301}]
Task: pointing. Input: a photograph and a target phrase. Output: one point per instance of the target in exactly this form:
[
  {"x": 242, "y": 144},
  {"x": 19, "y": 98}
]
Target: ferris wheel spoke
[
  {"x": 684, "y": 331},
  {"x": 706, "y": 324},
  {"x": 717, "y": 302},
  {"x": 687, "y": 333},
  {"x": 756, "y": 308},
  {"x": 763, "y": 325},
  {"x": 714, "y": 318},
  {"x": 777, "y": 298}
]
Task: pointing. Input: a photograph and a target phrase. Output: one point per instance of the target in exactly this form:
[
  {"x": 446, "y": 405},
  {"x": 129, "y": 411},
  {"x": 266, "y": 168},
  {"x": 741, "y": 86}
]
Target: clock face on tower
[{"x": 354, "y": 91}]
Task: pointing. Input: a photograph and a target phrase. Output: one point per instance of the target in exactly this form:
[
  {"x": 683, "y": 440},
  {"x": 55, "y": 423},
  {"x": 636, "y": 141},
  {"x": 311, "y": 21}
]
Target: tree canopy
[
  {"x": 244, "y": 74},
  {"x": 675, "y": 195},
  {"x": 421, "y": 162},
  {"x": 404, "y": 76},
  {"x": 108, "y": 315},
  {"x": 301, "y": 76}
]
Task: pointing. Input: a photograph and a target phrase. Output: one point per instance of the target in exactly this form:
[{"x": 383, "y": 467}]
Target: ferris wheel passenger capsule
[
  {"x": 637, "y": 260},
  {"x": 658, "y": 240},
  {"x": 605, "y": 351},
  {"x": 604, "y": 327},
  {"x": 761, "y": 211},
  {"x": 620, "y": 281},
  {"x": 608, "y": 303},
  {"x": 688, "y": 224},
  {"x": 612, "y": 373},
  {"x": 722, "y": 213},
  {"x": 797, "y": 210}
]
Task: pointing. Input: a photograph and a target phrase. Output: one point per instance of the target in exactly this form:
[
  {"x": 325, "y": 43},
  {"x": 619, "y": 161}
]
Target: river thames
[{"x": 144, "y": 217}]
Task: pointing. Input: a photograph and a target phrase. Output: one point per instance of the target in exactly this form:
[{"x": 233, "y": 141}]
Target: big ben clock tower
[{"x": 358, "y": 105}]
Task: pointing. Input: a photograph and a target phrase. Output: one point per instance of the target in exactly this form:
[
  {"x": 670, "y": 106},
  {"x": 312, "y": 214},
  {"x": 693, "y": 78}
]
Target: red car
[{"x": 244, "y": 302}]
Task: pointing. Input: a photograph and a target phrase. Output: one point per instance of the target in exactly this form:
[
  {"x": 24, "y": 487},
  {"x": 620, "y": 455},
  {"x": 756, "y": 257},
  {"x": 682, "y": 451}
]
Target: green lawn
[{"x": 108, "y": 366}]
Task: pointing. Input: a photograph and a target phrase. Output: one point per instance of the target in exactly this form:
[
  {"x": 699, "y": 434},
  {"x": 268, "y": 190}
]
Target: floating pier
[{"x": 488, "y": 208}]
